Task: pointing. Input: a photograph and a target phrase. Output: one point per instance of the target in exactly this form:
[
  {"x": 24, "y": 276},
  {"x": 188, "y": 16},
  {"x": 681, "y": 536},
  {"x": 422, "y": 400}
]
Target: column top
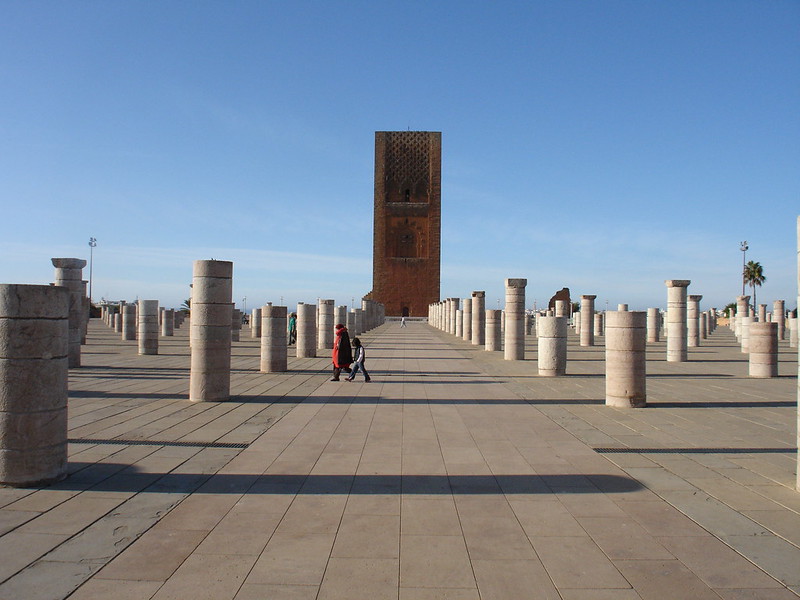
[
  {"x": 326, "y": 301},
  {"x": 677, "y": 282},
  {"x": 695, "y": 298},
  {"x": 516, "y": 282},
  {"x": 479, "y": 294},
  {"x": 742, "y": 298},
  {"x": 68, "y": 263},
  {"x": 588, "y": 297}
]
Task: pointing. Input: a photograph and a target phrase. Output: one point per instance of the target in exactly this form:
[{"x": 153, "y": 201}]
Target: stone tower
[{"x": 407, "y": 226}]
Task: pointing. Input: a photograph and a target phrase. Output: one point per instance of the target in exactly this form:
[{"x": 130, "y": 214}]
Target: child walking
[{"x": 359, "y": 356}]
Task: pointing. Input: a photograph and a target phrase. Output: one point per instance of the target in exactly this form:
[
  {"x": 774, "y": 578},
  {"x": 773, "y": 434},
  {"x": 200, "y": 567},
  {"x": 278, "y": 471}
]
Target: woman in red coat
[{"x": 342, "y": 352}]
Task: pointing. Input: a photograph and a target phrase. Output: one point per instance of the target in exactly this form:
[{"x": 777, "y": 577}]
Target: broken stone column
[
  {"x": 779, "y": 316},
  {"x": 552, "y": 346},
  {"x": 676, "y": 320},
  {"x": 622, "y": 307},
  {"x": 762, "y": 313},
  {"x": 273, "y": 339},
  {"x": 118, "y": 319},
  {"x": 742, "y": 310},
  {"x": 693, "y": 321},
  {"x": 653, "y": 325},
  {"x": 626, "y": 344},
  {"x": 703, "y": 326},
  {"x": 744, "y": 338},
  {"x": 340, "y": 316},
  {"x": 211, "y": 323},
  {"x": 478, "y": 318},
  {"x": 68, "y": 274},
  {"x": 454, "y": 303},
  {"x": 34, "y": 363},
  {"x": 147, "y": 318},
  {"x": 359, "y": 321},
  {"x": 236, "y": 325},
  {"x": 587, "y": 320},
  {"x": 791, "y": 325},
  {"x": 306, "y": 330},
  {"x": 350, "y": 323},
  {"x": 514, "y": 347},
  {"x": 325, "y": 333},
  {"x": 466, "y": 328},
  {"x": 493, "y": 338},
  {"x": 255, "y": 323},
  {"x": 599, "y": 325},
  {"x": 562, "y": 308},
  {"x": 168, "y": 323},
  {"x": 763, "y": 349},
  {"x": 459, "y": 323},
  {"x": 129, "y": 322}
]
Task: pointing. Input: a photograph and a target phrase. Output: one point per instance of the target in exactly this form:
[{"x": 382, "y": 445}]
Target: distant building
[{"x": 407, "y": 227}]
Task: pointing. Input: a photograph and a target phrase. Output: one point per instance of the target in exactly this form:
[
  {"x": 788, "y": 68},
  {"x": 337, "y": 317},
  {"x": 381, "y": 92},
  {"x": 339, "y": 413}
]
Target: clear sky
[{"x": 604, "y": 146}]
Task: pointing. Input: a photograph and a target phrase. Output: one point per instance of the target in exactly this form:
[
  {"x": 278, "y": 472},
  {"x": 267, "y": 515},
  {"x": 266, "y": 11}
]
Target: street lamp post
[
  {"x": 743, "y": 247},
  {"x": 92, "y": 244}
]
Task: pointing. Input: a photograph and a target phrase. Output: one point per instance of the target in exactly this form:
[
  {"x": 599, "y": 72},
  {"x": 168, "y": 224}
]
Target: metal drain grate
[
  {"x": 158, "y": 443},
  {"x": 695, "y": 450}
]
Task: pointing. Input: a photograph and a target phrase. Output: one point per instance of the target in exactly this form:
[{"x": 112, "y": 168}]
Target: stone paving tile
[
  {"x": 435, "y": 561},
  {"x": 377, "y": 579},
  {"x": 513, "y": 579},
  {"x": 577, "y": 562},
  {"x": 103, "y": 589},
  {"x": 261, "y": 591},
  {"x": 664, "y": 580},
  {"x": 207, "y": 577}
]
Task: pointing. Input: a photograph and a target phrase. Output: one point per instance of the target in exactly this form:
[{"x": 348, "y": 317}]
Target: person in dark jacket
[
  {"x": 358, "y": 361},
  {"x": 342, "y": 352}
]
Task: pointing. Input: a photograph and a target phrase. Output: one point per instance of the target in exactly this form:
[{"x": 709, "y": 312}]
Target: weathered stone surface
[
  {"x": 306, "y": 330},
  {"x": 273, "y": 339},
  {"x": 626, "y": 344},
  {"x": 552, "y": 345},
  {"x": 676, "y": 320},
  {"x": 514, "y": 346},
  {"x": 763, "y": 359}
]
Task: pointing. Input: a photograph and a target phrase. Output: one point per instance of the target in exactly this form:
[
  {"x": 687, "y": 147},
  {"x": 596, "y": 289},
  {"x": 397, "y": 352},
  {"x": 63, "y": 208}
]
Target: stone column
[
  {"x": 703, "y": 326},
  {"x": 763, "y": 349},
  {"x": 466, "y": 329},
  {"x": 340, "y": 316},
  {"x": 779, "y": 316},
  {"x": 514, "y": 347},
  {"x": 744, "y": 337},
  {"x": 326, "y": 332},
  {"x": 255, "y": 323},
  {"x": 118, "y": 321},
  {"x": 212, "y": 316},
  {"x": 552, "y": 345},
  {"x": 68, "y": 275},
  {"x": 622, "y": 307},
  {"x": 599, "y": 322},
  {"x": 459, "y": 323},
  {"x": 34, "y": 363},
  {"x": 129, "y": 322},
  {"x": 492, "y": 338},
  {"x": 676, "y": 320},
  {"x": 762, "y": 313},
  {"x": 306, "y": 330},
  {"x": 274, "y": 321},
  {"x": 478, "y": 318},
  {"x": 742, "y": 310},
  {"x": 454, "y": 302},
  {"x": 148, "y": 326},
  {"x": 798, "y": 363},
  {"x": 791, "y": 325},
  {"x": 562, "y": 308},
  {"x": 587, "y": 320},
  {"x": 359, "y": 321},
  {"x": 168, "y": 323},
  {"x": 350, "y": 323},
  {"x": 693, "y": 321},
  {"x": 236, "y": 325},
  {"x": 652, "y": 325},
  {"x": 626, "y": 344}
]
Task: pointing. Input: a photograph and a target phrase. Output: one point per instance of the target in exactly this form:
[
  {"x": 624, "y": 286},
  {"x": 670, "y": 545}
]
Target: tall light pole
[
  {"x": 743, "y": 247},
  {"x": 92, "y": 244}
]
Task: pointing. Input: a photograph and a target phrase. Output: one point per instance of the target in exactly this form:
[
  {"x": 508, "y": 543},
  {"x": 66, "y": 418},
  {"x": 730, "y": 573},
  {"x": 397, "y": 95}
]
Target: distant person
[
  {"x": 358, "y": 361},
  {"x": 342, "y": 352},
  {"x": 402, "y": 321},
  {"x": 292, "y": 328}
]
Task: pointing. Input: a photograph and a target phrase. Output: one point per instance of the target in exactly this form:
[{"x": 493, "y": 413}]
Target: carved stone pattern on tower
[{"x": 407, "y": 167}]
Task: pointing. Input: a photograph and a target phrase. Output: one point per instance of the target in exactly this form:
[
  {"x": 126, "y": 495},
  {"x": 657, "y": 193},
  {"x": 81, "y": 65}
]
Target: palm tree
[
  {"x": 754, "y": 276},
  {"x": 186, "y": 307}
]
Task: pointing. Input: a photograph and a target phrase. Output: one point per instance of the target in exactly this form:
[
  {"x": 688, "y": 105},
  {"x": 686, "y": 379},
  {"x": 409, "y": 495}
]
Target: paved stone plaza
[{"x": 455, "y": 474}]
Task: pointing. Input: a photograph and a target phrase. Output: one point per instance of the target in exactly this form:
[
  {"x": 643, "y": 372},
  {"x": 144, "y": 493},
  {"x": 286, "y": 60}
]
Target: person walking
[
  {"x": 292, "y": 328},
  {"x": 358, "y": 361},
  {"x": 402, "y": 321},
  {"x": 342, "y": 352}
]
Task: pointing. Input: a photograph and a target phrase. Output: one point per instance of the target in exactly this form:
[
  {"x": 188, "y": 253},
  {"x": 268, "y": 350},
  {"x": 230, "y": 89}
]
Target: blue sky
[{"x": 604, "y": 146}]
